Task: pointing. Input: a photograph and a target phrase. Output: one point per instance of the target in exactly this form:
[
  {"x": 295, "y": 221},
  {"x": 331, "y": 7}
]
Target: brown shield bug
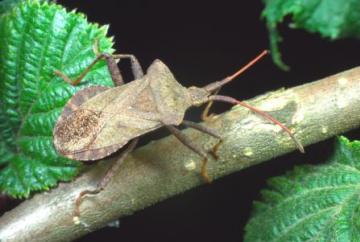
[{"x": 97, "y": 121}]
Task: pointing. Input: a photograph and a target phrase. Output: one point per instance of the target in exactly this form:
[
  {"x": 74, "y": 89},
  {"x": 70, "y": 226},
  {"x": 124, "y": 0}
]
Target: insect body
[
  {"x": 98, "y": 121},
  {"x": 108, "y": 118}
]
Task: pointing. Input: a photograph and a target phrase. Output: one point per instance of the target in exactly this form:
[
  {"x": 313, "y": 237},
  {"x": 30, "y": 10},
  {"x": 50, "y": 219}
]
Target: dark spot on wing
[{"x": 79, "y": 124}]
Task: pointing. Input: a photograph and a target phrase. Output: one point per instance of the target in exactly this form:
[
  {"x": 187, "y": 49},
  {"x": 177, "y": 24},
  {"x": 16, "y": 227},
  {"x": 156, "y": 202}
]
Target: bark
[{"x": 164, "y": 168}]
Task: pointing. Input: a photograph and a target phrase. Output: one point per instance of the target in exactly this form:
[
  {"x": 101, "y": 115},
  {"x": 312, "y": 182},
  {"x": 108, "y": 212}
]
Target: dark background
[{"x": 203, "y": 42}]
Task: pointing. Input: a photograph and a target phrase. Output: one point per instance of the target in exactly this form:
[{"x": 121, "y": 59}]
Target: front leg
[
  {"x": 205, "y": 116},
  {"x": 194, "y": 147},
  {"x": 208, "y": 131}
]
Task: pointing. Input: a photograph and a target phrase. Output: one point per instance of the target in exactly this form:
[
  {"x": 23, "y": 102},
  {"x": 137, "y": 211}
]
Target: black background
[{"x": 203, "y": 41}]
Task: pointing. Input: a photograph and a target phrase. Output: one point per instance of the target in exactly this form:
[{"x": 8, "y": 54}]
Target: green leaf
[
  {"x": 37, "y": 38},
  {"x": 330, "y": 18},
  {"x": 312, "y": 203},
  {"x": 7, "y": 5}
]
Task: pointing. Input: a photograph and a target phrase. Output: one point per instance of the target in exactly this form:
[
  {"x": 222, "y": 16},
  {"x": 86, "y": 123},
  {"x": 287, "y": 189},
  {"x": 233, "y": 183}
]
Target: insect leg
[
  {"x": 260, "y": 112},
  {"x": 136, "y": 68},
  {"x": 202, "y": 128},
  {"x": 205, "y": 114},
  {"x": 191, "y": 145},
  {"x": 112, "y": 66},
  {"x": 206, "y": 130},
  {"x": 106, "y": 179}
]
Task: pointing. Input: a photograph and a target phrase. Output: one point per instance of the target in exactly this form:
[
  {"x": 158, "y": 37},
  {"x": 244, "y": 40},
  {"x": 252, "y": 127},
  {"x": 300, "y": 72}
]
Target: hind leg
[
  {"x": 136, "y": 68},
  {"x": 105, "y": 180},
  {"x": 112, "y": 67}
]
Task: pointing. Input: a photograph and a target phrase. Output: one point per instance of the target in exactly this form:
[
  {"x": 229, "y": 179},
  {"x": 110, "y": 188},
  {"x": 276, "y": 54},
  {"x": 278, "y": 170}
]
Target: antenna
[
  {"x": 216, "y": 85},
  {"x": 260, "y": 112}
]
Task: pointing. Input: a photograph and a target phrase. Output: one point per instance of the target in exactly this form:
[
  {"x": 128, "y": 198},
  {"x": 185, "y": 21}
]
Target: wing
[
  {"x": 103, "y": 122},
  {"x": 76, "y": 124}
]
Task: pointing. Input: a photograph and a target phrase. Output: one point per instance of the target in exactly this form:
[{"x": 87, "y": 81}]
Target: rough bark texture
[{"x": 164, "y": 168}]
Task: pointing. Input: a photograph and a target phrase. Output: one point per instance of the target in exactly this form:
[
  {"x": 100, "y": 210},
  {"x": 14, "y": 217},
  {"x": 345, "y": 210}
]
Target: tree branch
[{"x": 164, "y": 168}]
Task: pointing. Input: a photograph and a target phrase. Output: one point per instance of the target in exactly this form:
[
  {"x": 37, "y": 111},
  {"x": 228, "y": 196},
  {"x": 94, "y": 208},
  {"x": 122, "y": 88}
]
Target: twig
[{"x": 164, "y": 168}]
